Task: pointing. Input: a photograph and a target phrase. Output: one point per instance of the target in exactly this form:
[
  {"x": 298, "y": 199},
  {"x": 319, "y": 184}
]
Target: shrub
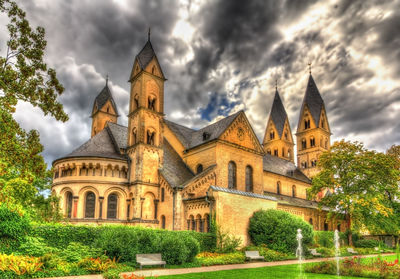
[
  {"x": 20, "y": 265},
  {"x": 207, "y": 258},
  {"x": 368, "y": 243},
  {"x": 178, "y": 250},
  {"x": 77, "y": 251},
  {"x": 35, "y": 246},
  {"x": 113, "y": 273},
  {"x": 326, "y": 238},
  {"x": 96, "y": 265},
  {"x": 278, "y": 229},
  {"x": 326, "y": 252},
  {"x": 226, "y": 243},
  {"x": 13, "y": 224}
]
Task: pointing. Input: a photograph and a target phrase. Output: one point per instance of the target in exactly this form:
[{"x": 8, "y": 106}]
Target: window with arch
[
  {"x": 283, "y": 152},
  {"x": 338, "y": 227},
  {"x": 69, "y": 204},
  {"x": 289, "y": 153},
  {"x": 90, "y": 204},
  {"x": 310, "y": 221},
  {"x": 269, "y": 151},
  {"x": 323, "y": 122},
  {"x": 326, "y": 226},
  {"x": 199, "y": 168},
  {"x": 232, "y": 175},
  {"x": 108, "y": 109},
  {"x": 153, "y": 69},
  {"x": 294, "y": 191},
  {"x": 134, "y": 135},
  {"x": 151, "y": 103},
  {"x": 313, "y": 163},
  {"x": 307, "y": 124},
  {"x": 304, "y": 165},
  {"x": 249, "y": 179},
  {"x": 162, "y": 194},
  {"x": 162, "y": 221},
  {"x": 112, "y": 205},
  {"x": 271, "y": 134},
  {"x": 275, "y": 152},
  {"x": 312, "y": 141},
  {"x": 136, "y": 101},
  {"x": 150, "y": 137},
  {"x": 286, "y": 135},
  {"x": 278, "y": 188},
  {"x": 303, "y": 144}
]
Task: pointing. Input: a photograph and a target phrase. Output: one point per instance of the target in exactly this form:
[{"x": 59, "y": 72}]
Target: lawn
[{"x": 272, "y": 272}]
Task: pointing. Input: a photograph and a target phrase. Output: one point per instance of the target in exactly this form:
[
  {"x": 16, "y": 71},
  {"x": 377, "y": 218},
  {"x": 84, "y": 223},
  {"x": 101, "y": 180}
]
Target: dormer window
[
  {"x": 307, "y": 124},
  {"x": 153, "y": 70},
  {"x": 286, "y": 135},
  {"x": 206, "y": 136}
]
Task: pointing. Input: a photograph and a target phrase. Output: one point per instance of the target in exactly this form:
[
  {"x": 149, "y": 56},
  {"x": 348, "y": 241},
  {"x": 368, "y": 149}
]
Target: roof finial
[
  {"x": 107, "y": 80},
  {"x": 276, "y": 85},
  {"x": 148, "y": 35},
  {"x": 309, "y": 67}
]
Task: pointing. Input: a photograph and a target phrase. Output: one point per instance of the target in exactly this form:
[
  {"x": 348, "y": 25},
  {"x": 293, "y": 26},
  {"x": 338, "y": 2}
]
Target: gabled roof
[
  {"x": 101, "y": 145},
  {"x": 191, "y": 138},
  {"x": 174, "y": 170},
  {"x": 145, "y": 55},
  {"x": 287, "y": 200},
  {"x": 278, "y": 114},
  {"x": 119, "y": 134},
  {"x": 102, "y": 99},
  {"x": 241, "y": 193},
  {"x": 313, "y": 100},
  {"x": 283, "y": 167}
]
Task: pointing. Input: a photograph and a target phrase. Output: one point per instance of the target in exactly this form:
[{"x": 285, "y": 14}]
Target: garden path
[{"x": 161, "y": 272}]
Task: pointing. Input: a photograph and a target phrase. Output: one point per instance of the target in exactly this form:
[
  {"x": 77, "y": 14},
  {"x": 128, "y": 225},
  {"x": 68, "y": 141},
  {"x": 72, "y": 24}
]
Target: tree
[
  {"x": 361, "y": 183},
  {"x": 24, "y": 76}
]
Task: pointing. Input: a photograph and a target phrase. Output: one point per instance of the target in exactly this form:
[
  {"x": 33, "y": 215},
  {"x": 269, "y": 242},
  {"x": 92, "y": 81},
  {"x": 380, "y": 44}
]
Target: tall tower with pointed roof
[
  {"x": 145, "y": 118},
  {"x": 278, "y": 140},
  {"x": 104, "y": 110},
  {"x": 313, "y": 132}
]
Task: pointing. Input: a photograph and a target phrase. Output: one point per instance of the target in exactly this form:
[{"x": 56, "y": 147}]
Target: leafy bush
[
  {"x": 178, "y": 250},
  {"x": 208, "y": 258},
  {"x": 19, "y": 265},
  {"x": 368, "y": 243},
  {"x": 35, "y": 246},
  {"x": 75, "y": 252},
  {"x": 326, "y": 252},
  {"x": 226, "y": 243},
  {"x": 113, "y": 273},
  {"x": 14, "y": 225},
  {"x": 277, "y": 229},
  {"x": 96, "y": 265},
  {"x": 268, "y": 254}
]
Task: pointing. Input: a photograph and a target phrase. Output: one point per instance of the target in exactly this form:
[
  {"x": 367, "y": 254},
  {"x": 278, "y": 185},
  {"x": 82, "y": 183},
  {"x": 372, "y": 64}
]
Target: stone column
[
  {"x": 178, "y": 206},
  {"x": 75, "y": 207},
  {"x": 101, "y": 199},
  {"x": 78, "y": 169},
  {"x": 141, "y": 207}
]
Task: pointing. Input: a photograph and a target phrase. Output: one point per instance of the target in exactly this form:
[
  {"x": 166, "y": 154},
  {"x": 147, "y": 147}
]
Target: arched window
[
  {"x": 283, "y": 152},
  {"x": 275, "y": 152},
  {"x": 338, "y": 227},
  {"x": 269, "y": 151},
  {"x": 271, "y": 135},
  {"x": 112, "y": 205},
  {"x": 69, "y": 204},
  {"x": 134, "y": 136},
  {"x": 150, "y": 137},
  {"x": 310, "y": 221},
  {"x": 312, "y": 141},
  {"x": 249, "y": 179},
  {"x": 278, "y": 188},
  {"x": 162, "y": 194},
  {"x": 136, "y": 102},
  {"x": 90, "y": 202},
  {"x": 307, "y": 124},
  {"x": 199, "y": 168},
  {"x": 162, "y": 221},
  {"x": 294, "y": 191},
  {"x": 153, "y": 69},
  {"x": 303, "y": 144},
  {"x": 286, "y": 135},
  {"x": 326, "y": 227},
  {"x": 152, "y": 103},
  {"x": 108, "y": 109},
  {"x": 232, "y": 175}
]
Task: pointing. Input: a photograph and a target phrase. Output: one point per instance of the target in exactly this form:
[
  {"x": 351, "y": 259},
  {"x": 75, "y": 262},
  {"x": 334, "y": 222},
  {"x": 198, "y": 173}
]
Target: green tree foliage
[
  {"x": 361, "y": 183},
  {"x": 24, "y": 76},
  {"x": 278, "y": 229}
]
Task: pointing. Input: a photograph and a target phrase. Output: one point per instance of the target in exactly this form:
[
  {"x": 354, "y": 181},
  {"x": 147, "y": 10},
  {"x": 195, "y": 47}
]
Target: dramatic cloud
[{"x": 223, "y": 56}]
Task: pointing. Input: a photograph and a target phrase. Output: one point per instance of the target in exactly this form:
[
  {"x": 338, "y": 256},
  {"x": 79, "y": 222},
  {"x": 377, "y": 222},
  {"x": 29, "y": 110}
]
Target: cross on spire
[
  {"x": 276, "y": 84},
  {"x": 148, "y": 35},
  {"x": 309, "y": 67},
  {"x": 106, "y": 79}
]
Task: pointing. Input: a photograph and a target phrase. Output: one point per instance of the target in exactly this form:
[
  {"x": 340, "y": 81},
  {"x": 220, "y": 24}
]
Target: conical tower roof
[
  {"x": 278, "y": 113},
  {"x": 313, "y": 100},
  {"x": 103, "y": 97},
  {"x": 145, "y": 55}
]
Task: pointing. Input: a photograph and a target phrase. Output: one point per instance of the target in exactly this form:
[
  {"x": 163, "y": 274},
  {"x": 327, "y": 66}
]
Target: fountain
[
  {"x": 299, "y": 253},
  {"x": 337, "y": 251}
]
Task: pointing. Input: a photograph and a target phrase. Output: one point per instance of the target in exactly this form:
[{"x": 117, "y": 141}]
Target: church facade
[{"x": 159, "y": 174}]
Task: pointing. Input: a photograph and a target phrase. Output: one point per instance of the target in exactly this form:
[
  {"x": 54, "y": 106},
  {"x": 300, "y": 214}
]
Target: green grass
[{"x": 272, "y": 272}]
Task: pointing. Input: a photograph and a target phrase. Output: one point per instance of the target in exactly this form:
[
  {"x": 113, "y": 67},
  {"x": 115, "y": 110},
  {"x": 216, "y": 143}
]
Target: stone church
[{"x": 160, "y": 174}]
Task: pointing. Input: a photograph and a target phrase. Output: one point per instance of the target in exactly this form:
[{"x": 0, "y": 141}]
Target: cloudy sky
[{"x": 223, "y": 56}]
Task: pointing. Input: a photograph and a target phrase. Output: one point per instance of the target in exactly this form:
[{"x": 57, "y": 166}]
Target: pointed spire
[
  {"x": 278, "y": 113},
  {"x": 313, "y": 100},
  {"x": 104, "y": 96}
]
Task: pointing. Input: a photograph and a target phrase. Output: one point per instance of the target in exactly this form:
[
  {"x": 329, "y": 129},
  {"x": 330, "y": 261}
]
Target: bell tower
[
  {"x": 104, "y": 110},
  {"x": 145, "y": 118},
  {"x": 313, "y": 132},
  {"x": 278, "y": 140}
]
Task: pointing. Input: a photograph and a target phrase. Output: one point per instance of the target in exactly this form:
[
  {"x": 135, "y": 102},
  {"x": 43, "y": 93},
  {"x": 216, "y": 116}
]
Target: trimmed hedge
[
  {"x": 369, "y": 243},
  {"x": 124, "y": 242},
  {"x": 278, "y": 229},
  {"x": 326, "y": 238}
]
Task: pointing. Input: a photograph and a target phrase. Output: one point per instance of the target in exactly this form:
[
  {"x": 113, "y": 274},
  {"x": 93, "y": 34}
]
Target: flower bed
[{"x": 356, "y": 266}]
